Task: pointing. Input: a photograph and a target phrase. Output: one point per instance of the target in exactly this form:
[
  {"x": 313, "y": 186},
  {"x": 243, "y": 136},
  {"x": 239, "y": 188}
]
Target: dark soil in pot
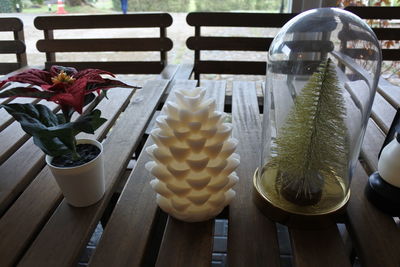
[{"x": 87, "y": 152}]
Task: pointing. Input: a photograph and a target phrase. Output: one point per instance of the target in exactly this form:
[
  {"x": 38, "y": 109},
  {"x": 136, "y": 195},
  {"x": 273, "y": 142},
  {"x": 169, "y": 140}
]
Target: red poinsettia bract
[{"x": 63, "y": 85}]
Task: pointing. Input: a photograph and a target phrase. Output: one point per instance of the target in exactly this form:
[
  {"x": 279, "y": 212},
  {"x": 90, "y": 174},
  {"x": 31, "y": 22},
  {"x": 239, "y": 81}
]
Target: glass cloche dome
[{"x": 322, "y": 72}]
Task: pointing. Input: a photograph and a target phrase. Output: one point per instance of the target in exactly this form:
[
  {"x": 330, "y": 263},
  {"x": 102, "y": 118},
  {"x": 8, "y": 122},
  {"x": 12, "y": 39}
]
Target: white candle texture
[
  {"x": 193, "y": 158},
  {"x": 389, "y": 165}
]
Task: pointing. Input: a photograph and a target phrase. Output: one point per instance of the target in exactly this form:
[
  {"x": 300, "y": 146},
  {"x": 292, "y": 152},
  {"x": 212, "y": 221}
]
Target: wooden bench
[
  {"x": 379, "y": 18},
  {"x": 201, "y": 42},
  {"x": 362, "y": 216},
  {"x": 81, "y": 44},
  {"x": 15, "y": 46},
  {"x": 386, "y": 30}
]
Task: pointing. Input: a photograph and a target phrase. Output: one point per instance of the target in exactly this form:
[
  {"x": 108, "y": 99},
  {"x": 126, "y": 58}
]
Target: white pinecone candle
[{"x": 193, "y": 158}]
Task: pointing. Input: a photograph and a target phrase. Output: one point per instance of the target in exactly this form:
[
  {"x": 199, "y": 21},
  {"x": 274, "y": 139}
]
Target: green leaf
[
  {"x": 51, "y": 146},
  {"x": 41, "y": 123},
  {"x": 88, "y": 98},
  {"x": 61, "y": 118},
  {"x": 67, "y": 113},
  {"x": 89, "y": 123},
  {"x": 50, "y": 131},
  {"x": 26, "y": 92},
  {"x": 32, "y": 114}
]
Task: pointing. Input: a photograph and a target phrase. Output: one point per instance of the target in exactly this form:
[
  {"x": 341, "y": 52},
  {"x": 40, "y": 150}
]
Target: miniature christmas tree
[{"x": 311, "y": 145}]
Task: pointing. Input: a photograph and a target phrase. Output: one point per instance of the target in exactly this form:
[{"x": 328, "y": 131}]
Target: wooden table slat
[
  {"x": 11, "y": 139},
  {"x": 23, "y": 220},
  {"x": 129, "y": 228},
  {"x": 181, "y": 239},
  {"x": 14, "y": 179},
  {"x": 382, "y": 112},
  {"x": 373, "y": 233},
  {"x": 252, "y": 238},
  {"x": 184, "y": 71},
  {"x": 118, "y": 99},
  {"x": 307, "y": 244},
  {"x": 216, "y": 90},
  {"x": 41, "y": 195},
  {"x": 169, "y": 72},
  {"x": 373, "y": 141},
  {"x": 390, "y": 92}
]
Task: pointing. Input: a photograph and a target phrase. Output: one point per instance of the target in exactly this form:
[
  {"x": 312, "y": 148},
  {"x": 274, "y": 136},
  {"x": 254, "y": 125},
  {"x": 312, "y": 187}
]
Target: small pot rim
[{"x": 78, "y": 141}]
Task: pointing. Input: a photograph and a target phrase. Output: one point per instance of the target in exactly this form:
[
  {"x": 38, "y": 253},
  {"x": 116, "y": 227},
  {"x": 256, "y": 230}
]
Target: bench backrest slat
[
  {"x": 199, "y": 42},
  {"x": 383, "y": 33},
  {"x": 160, "y": 44},
  {"x": 15, "y": 46}
]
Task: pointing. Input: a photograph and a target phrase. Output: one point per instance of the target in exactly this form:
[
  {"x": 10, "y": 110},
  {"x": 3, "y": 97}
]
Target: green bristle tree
[{"x": 311, "y": 145}]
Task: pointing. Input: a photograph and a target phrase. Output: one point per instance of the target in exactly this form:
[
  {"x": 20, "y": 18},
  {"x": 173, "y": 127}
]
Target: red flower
[
  {"x": 2, "y": 83},
  {"x": 73, "y": 96},
  {"x": 63, "y": 85},
  {"x": 32, "y": 76}
]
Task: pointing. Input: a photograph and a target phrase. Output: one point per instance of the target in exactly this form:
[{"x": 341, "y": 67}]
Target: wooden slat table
[{"x": 38, "y": 228}]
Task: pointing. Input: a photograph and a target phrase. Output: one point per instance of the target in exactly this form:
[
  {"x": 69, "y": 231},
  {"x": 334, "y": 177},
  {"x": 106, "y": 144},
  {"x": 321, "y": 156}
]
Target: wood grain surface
[
  {"x": 307, "y": 248},
  {"x": 373, "y": 233},
  {"x": 117, "y": 44},
  {"x": 382, "y": 113},
  {"x": 252, "y": 238},
  {"x": 126, "y": 237},
  {"x": 373, "y": 141}
]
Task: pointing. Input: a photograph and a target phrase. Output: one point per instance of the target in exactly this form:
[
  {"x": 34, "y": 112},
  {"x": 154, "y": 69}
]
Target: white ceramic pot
[{"x": 81, "y": 185}]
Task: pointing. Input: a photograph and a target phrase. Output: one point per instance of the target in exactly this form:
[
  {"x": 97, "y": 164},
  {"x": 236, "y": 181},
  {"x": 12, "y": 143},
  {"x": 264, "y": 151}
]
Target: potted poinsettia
[{"x": 77, "y": 165}]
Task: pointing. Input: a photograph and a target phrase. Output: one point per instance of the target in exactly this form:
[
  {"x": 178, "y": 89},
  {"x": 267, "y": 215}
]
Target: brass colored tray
[{"x": 296, "y": 220}]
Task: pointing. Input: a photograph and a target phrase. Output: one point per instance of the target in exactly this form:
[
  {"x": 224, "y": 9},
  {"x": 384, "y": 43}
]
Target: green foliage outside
[
  {"x": 105, "y": 6},
  {"x": 9, "y": 6},
  {"x": 229, "y": 5},
  {"x": 154, "y": 5},
  {"x": 98, "y": 7},
  {"x": 201, "y": 5},
  {"x": 38, "y": 2}
]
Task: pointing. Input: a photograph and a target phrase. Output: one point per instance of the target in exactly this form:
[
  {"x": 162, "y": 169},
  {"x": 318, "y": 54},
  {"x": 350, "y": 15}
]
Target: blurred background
[{"x": 107, "y": 6}]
